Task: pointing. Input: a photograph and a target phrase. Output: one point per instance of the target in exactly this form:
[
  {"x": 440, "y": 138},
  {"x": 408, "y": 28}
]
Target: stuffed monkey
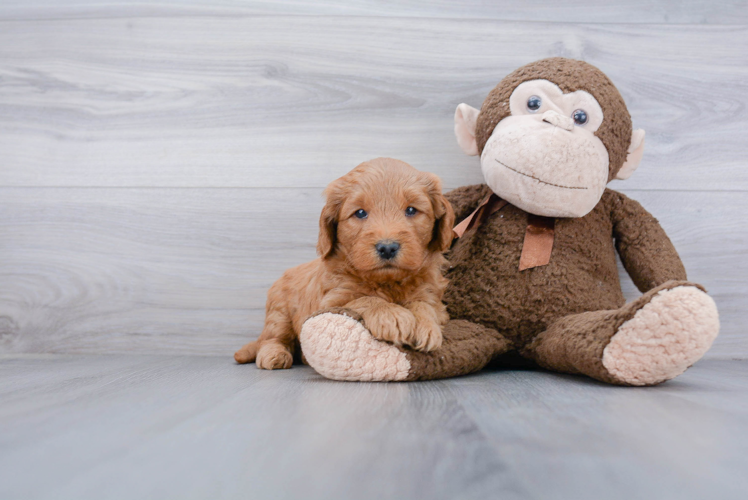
[{"x": 533, "y": 273}]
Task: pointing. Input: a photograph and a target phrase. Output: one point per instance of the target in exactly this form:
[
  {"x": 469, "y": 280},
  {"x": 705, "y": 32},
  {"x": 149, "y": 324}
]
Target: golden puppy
[{"x": 381, "y": 237}]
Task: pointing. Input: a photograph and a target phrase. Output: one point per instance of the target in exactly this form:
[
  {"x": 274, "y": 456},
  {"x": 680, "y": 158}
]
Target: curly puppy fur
[{"x": 400, "y": 296}]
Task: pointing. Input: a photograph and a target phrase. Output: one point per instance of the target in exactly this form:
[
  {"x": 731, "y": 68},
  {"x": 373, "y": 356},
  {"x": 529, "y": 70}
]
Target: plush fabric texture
[
  {"x": 338, "y": 345},
  {"x": 569, "y": 314},
  {"x": 487, "y": 288},
  {"x": 664, "y": 337},
  {"x": 564, "y": 314},
  {"x": 648, "y": 341},
  {"x": 529, "y": 166},
  {"x": 570, "y": 75},
  {"x": 561, "y": 316},
  {"x": 467, "y": 347},
  {"x": 575, "y": 343},
  {"x": 634, "y": 155}
]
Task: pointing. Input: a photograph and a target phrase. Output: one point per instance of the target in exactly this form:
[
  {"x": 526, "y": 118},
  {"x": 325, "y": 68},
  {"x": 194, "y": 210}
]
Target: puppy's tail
[{"x": 248, "y": 353}]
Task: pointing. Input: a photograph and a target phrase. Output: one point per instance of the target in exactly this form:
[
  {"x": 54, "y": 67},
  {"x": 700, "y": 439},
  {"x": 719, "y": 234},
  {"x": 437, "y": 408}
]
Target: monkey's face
[
  {"x": 551, "y": 135},
  {"x": 544, "y": 157}
]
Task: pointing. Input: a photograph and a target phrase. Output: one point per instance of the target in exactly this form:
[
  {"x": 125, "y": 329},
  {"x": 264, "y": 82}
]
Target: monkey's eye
[
  {"x": 533, "y": 103},
  {"x": 580, "y": 117},
  {"x": 361, "y": 213},
  {"x": 410, "y": 211}
]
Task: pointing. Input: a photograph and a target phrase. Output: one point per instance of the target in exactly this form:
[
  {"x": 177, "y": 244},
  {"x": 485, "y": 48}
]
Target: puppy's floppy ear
[
  {"x": 328, "y": 219},
  {"x": 444, "y": 215},
  {"x": 443, "y": 234}
]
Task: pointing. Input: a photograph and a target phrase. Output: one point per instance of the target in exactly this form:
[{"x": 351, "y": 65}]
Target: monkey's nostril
[{"x": 387, "y": 249}]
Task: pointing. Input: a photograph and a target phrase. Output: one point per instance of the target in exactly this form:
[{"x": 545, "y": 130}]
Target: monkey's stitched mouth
[{"x": 535, "y": 178}]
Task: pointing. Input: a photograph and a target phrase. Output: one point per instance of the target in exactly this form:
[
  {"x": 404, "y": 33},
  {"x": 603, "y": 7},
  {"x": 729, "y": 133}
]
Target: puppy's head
[{"x": 385, "y": 219}]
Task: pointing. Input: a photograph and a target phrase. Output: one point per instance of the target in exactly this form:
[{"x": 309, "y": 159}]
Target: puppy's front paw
[
  {"x": 427, "y": 336},
  {"x": 390, "y": 322},
  {"x": 272, "y": 356}
]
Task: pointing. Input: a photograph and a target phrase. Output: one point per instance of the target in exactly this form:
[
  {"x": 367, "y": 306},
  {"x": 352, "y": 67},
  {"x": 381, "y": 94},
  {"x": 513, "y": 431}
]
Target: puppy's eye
[
  {"x": 410, "y": 211},
  {"x": 533, "y": 103},
  {"x": 361, "y": 213}
]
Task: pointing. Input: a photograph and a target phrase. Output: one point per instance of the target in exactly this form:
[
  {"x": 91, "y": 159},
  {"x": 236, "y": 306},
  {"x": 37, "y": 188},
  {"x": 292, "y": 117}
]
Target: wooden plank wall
[{"x": 162, "y": 164}]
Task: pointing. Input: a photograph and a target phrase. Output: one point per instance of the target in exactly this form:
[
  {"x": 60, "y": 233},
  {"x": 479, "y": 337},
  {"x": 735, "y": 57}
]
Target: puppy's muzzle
[{"x": 387, "y": 249}]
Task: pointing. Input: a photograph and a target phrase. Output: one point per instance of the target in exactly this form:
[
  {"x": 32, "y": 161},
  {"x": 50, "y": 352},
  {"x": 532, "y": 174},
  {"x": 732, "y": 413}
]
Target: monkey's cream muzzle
[{"x": 545, "y": 165}]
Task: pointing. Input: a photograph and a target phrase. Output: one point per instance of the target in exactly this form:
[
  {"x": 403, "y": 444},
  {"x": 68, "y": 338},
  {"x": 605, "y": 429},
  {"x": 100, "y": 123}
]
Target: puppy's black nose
[{"x": 387, "y": 249}]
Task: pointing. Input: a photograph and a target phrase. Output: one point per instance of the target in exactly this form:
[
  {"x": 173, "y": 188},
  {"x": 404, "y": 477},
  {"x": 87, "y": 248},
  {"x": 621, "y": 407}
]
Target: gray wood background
[{"x": 162, "y": 164}]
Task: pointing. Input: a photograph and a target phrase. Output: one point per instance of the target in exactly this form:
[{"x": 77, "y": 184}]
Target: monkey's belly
[
  {"x": 487, "y": 287},
  {"x": 523, "y": 305}
]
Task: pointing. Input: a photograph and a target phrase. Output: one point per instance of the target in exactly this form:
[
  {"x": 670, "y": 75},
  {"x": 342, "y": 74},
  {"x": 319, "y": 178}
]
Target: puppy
[{"x": 382, "y": 233}]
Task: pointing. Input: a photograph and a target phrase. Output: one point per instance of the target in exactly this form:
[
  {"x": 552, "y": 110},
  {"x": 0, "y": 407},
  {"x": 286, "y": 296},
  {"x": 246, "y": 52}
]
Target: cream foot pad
[
  {"x": 341, "y": 348},
  {"x": 664, "y": 337}
]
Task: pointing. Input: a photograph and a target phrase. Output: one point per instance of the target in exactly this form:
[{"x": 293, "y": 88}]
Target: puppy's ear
[
  {"x": 443, "y": 234},
  {"x": 328, "y": 219},
  {"x": 445, "y": 217}
]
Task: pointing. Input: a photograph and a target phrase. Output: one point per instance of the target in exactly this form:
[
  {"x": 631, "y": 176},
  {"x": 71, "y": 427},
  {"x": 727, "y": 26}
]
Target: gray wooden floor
[{"x": 175, "y": 427}]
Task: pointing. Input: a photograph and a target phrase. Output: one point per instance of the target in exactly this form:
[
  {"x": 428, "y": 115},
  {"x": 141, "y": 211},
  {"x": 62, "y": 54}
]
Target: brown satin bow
[{"x": 538, "y": 243}]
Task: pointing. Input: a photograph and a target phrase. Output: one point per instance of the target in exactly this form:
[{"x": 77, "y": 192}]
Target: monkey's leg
[
  {"x": 650, "y": 340},
  {"x": 337, "y": 345}
]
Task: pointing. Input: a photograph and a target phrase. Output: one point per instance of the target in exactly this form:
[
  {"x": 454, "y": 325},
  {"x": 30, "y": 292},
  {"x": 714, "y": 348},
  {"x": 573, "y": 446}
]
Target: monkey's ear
[
  {"x": 465, "y": 120},
  {"x": 635, "y": 152}
]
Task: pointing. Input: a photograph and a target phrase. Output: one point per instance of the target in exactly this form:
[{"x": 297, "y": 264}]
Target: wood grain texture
[
  {"x": 170, "y": 270},
  {"x": 160, "y": 164},
  {"x": 576, "y": 11},
  {"x": 186, "y": 270},
  {"x": 295, "y": 101},
  {"x": 110, "y": 427}
]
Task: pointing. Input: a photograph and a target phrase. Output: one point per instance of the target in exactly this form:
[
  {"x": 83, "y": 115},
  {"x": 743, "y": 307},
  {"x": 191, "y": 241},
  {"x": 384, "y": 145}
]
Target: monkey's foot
[
  {"x": 667, "y": 335},
  {"x": 338, "y": 346}
]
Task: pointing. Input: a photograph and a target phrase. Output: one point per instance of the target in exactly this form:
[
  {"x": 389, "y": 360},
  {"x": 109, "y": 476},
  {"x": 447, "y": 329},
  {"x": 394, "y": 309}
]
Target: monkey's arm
[
  {"x": 465, "y": 199},
  {"x": 646, "y": 251}
]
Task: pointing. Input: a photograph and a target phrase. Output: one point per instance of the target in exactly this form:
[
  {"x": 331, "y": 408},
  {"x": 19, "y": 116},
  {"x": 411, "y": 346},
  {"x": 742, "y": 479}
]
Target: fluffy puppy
[{"x": 382, "y": 233}]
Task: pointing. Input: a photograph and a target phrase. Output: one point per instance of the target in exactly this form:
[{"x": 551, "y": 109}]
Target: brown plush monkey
[{"x": 534, "y": 270}]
